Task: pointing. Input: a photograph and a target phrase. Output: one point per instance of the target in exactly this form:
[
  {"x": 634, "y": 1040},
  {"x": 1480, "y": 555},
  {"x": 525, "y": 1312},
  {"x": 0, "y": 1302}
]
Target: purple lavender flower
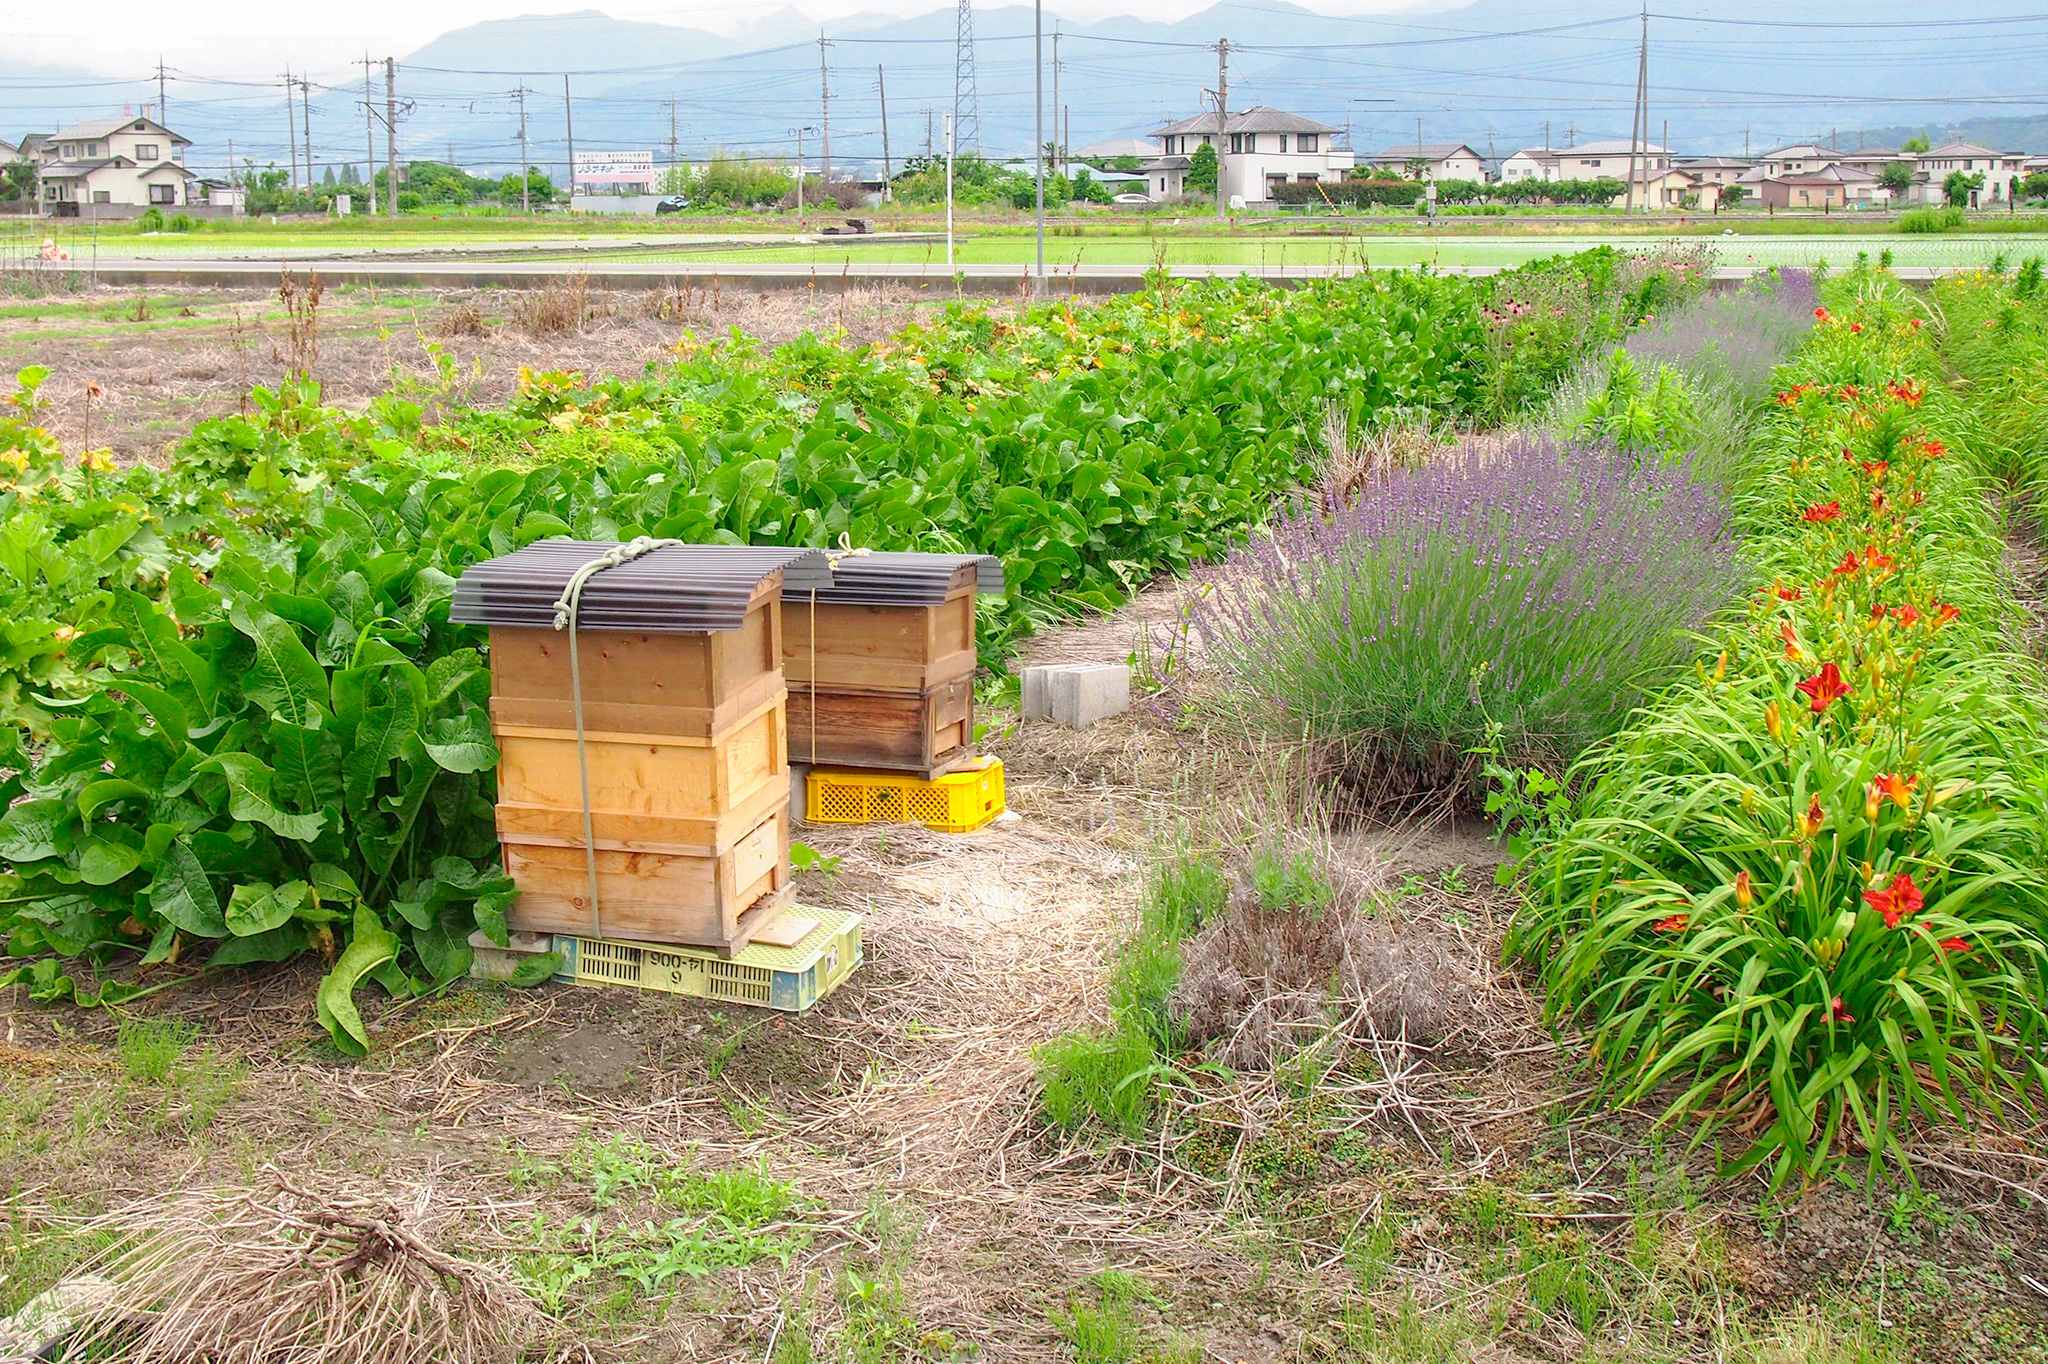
[{"x": 1544, "y": 586}]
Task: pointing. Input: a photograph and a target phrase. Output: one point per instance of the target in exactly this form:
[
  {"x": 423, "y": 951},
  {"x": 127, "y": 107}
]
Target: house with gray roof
[
  {"x": 1432, "y": 161},
  {"x": 111, "y": 168},
  {"x": 1259, "y": 148}
]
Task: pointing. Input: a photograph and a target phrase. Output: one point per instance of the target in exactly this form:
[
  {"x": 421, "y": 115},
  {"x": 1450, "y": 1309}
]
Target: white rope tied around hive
[
  {"x": 566, "y": 608},
  {"x": 832, "y": 558}
]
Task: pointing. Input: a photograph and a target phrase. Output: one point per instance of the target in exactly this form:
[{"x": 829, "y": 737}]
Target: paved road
[{"x": 975, "y": 279}]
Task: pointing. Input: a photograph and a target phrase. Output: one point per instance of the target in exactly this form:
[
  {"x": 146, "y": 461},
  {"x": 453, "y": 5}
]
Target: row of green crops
[
  {"x": 1805, "y": 890},
  {"x": 243, "y": 726}
]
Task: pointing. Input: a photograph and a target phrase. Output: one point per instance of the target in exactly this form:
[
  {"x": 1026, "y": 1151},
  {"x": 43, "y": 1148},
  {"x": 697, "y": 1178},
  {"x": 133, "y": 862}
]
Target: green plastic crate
[{"x": 787, "y": 978}]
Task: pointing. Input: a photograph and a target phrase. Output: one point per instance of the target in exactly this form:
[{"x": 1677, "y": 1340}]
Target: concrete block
[
  {"x": 1036, "y": 695},
  {"x": 1078, "y": 695},
  {"x": 799, "y": 790},
  {"x": 489, "y": 961}
]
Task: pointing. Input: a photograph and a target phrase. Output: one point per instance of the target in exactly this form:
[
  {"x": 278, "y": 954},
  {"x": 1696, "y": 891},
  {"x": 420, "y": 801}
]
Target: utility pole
[
  {"x": 882, "y": 98},
  {"x": 1038, "y": 118},
  {"x": 824, "y": 118},
  {"x": 1571, "y": 135},
  {"x": 369, "y": 135},
  {"x": 1222, "y": 118},
  {"x": 569, "y": 127},
  {"x": 1639, "y": 124},
  {"x": 163, "y": 108},
  {"x": 291, "y": 129},
  {"x": 525, "y": 175},
  {"x": 671, "y": 134},
  {"x": 391, "y": 136},
  {"x": 949, "y": 192},
  {"x": 306, "y": 108},
  {"x": 1056, "y": 99},
  {"x": 1546, "y": 134},
  {"x": 928, "y": 132}
]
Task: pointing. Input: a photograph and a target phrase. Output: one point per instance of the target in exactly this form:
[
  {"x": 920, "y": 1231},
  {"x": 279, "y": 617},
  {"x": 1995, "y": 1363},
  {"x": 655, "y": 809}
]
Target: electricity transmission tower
[{"x": 966, "y": 94}]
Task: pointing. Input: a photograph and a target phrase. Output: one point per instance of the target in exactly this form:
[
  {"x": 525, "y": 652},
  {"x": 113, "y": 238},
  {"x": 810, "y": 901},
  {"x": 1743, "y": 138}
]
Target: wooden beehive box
[
  {"x": 684, "y": 744},
  {"x": 880, "y": 665}
]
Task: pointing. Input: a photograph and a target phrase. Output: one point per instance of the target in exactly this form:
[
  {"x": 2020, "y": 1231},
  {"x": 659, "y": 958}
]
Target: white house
[
  {"x": 1712, "y": 170},
  {"x": 1434, "y": 161},
  {"x": 1999, "y": 169},
  {"x": 1530, "y": 163},
  {"x": 113, "y": 167},
  {"x": 1113, "y": 148},
  {"x": 1611, "y": 159},
  {"x": 1260, "y": 149}
]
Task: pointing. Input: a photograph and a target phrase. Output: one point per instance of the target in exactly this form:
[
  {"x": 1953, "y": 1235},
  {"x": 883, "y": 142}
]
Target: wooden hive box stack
[
  {"x": 685, "y": 737},
  {"x": 880, "y": 663}
]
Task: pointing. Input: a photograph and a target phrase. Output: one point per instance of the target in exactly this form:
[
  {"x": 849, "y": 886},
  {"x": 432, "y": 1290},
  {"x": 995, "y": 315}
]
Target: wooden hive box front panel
[
  {"x": 701, "y": 900},
  {"x": 887, "y": 687}
]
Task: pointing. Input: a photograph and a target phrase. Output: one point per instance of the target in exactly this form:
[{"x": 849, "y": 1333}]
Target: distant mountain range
[{"x": 1497, "y": 74}]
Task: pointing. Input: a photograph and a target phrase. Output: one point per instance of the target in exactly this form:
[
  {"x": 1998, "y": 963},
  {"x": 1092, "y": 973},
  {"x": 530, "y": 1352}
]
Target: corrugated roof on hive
[
  {"x": 688, "y": 588},
  {"x": 900, "y": 578}
]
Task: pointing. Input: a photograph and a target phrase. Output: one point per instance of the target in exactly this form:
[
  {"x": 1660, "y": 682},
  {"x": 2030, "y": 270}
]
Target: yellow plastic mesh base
[
  {"x": 957, "y": 803},
  {"x": 787, "y": 978}
]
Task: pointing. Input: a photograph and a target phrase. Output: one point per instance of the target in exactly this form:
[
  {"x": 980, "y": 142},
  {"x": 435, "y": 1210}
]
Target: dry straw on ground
[{"x": 288, "y": 1275}]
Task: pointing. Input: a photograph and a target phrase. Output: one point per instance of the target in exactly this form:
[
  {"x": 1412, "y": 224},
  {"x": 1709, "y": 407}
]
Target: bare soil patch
[{"x": 167, "y": 359}]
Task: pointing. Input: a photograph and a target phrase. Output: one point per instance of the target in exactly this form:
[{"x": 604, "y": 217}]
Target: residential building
[
  {"x": 1432, "y": 161},
  {"x": 1615, "y": 158},
  {"x": 1999, "y": 169},
  {"x": 113, "y": 167},
  {"x": 1113, "y": 148},
  {"x": 1670, "y": 189},
  {"x": 1261, "y": 149},
  {"x": 8, "y": 151},
  {"x": 1831, "y": 186},
  {"x": 1531, "y": 163},
  {"x": 1712, "y": 170}
]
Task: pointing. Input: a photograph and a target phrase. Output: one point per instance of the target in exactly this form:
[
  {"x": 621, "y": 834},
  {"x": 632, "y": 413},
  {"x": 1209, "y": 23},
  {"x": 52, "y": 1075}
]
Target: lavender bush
[
  {"x": 1546, "y": 587},
  {"x": 1736, "y": 338}
]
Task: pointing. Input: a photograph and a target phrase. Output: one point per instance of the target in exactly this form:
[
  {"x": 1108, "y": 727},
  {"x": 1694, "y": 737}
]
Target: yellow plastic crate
[
  {"x": 957, "y": 803},
  {"x": 787, "y": 978}
]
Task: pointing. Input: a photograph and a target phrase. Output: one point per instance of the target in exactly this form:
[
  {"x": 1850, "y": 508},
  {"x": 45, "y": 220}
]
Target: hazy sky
[{"x": 258, "y": 37}]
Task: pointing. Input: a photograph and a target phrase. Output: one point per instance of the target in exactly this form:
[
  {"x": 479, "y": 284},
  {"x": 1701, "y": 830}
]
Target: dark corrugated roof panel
[
  {"x": 682, "y": 588},
  {"x": 901, "y": 578}
]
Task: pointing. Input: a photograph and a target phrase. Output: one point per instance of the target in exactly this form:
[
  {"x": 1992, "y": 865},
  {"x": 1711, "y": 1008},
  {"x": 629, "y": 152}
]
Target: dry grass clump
[
  {"x": 1351, "y": 466},
  {"x": 1268, "y": 977},
  {"x": 288, "y": 1276},
  {"x": 461, "y": 317},
  {"x": 563, "y": 307}
]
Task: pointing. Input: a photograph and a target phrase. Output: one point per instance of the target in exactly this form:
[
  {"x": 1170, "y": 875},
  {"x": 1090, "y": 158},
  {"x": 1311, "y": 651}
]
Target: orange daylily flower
[
  {"x": 1850, "y": 563},
  {"x": 1676, "y": 923},
  {"x": 1838, "y": 1014},
  {"x": 1825, "y": 687},
  {"x": 1810, "y": 823},
  {"x": 1944, "y": 613},
  {"x": 1744, "y": 895},
  {"x": 1785, "y": 593},
  {"x": 1947, "y": 945},
  {"x": 1907, "y": 614},
  {"x": 1875, "y": 559},
  {"x": 1825, "y": 511},
  {"x": 1896, "y": 788},
  {"x": 1875, "y": 467},
  {"x": 1791, "y": 638},
  {"x": 1896, "y": 901}
]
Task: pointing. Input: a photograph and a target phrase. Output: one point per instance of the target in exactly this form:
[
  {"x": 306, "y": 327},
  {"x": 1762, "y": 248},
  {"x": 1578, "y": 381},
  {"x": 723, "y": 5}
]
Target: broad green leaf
[
  {"x": 258, "y": 908},
  {"x": 180, "y": 892},
  {"x": 369, "y": 947},
  {"x": 37, "y": 829},
  {"x": 96, "y": 796},
  {"x": 102, "y": 862},
  {"x": 279, "y": 944},
  {"x": 462, "y": 743},
  {"x": 286, "y": 679},
  {"x": 249, "y": 783}
]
